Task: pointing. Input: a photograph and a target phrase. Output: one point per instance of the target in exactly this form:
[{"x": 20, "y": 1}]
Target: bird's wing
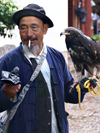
[{"x": 91, "y": 46}]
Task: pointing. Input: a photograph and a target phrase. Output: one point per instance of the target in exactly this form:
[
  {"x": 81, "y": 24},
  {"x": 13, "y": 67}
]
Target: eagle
[{"x": 84, "y": 52}]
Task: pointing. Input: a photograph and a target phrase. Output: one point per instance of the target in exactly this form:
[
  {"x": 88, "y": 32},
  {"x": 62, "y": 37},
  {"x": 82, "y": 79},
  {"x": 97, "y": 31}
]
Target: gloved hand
[
  {"x": 93, "y": 82},
  {"x": 11, "y": 78},
  {"x": 80, "y": 87},
  {"x": 81, "y": 83}
]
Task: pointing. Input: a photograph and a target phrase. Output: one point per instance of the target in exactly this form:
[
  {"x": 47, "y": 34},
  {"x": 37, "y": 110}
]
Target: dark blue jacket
[{"x": 25, "y": 119}]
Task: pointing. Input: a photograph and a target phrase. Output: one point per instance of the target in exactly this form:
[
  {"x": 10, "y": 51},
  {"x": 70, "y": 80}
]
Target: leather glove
[
  {"x": 81, "y": 83},
  {"x": 11, "y": 78},
  {"x": 93, "y": 82}
]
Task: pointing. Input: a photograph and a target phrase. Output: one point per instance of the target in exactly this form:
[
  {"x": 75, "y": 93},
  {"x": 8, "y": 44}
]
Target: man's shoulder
[
  {"x": 53, "y": 50},
  {"x": 55, "y": 54}
]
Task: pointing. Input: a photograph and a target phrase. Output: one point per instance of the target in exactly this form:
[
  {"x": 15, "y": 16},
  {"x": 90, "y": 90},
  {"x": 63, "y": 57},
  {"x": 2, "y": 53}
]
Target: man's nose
[{"x": 29, "y": 32}]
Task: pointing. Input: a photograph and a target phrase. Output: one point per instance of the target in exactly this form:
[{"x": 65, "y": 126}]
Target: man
[{"x": 42, "y": 110}]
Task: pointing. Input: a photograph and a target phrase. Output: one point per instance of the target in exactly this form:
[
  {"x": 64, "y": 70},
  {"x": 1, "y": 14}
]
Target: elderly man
[{"x": 42, "y": 109}]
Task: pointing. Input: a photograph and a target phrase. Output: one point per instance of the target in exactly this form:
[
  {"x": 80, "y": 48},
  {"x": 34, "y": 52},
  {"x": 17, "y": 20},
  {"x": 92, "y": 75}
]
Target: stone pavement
[{"x": 86, "y": 120}]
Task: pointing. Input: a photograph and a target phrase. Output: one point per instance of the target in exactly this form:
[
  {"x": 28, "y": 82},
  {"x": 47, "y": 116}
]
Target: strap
[
  {"x": 25, "y": 89},
  {"x": 37, "y": 69},
  {"x": 90, "y": 88}
]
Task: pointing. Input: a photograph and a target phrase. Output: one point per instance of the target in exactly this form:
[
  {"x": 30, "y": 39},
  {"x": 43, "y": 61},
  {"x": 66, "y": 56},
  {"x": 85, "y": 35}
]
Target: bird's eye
[{"x": 68, "y": 31}]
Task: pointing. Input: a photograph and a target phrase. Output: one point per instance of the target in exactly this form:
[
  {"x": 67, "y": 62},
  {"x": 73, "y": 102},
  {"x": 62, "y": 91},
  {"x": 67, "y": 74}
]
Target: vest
[{"x": 44, "y": 103}]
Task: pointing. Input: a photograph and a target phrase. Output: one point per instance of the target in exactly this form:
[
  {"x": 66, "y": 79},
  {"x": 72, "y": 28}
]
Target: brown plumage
[{"x": 84, "y": 51}]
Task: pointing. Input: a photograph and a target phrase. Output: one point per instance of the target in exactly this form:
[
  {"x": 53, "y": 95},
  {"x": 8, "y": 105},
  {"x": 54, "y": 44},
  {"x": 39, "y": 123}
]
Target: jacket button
[
  {"x": 49, "y": 110},
  {"x": 55, "y": 100},
  {"x": 57, "y": 113},
  {"x": 49, "y": 123}
]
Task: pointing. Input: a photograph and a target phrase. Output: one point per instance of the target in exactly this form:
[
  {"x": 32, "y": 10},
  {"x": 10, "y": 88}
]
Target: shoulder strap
[{"x": 25, "y": 89}]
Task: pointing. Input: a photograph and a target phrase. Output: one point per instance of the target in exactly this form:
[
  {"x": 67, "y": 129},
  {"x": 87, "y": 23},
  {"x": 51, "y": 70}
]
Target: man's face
[{"x": 32, "y": 28}]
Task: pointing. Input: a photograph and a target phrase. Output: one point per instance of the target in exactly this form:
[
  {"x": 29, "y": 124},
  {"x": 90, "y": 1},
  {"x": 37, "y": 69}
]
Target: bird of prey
[{"x": 84, "y": 51}]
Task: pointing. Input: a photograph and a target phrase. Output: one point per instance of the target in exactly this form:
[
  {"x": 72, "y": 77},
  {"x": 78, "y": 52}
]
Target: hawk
[{"x": 84, "y": 51}]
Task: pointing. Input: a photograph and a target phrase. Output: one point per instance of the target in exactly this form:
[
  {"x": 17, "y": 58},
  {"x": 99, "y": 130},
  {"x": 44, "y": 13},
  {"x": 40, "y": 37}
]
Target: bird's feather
[{"x": 84, "y": 51}]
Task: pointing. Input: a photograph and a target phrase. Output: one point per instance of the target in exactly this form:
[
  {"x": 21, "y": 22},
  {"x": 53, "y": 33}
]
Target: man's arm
[{"x": 7, "y": 93}]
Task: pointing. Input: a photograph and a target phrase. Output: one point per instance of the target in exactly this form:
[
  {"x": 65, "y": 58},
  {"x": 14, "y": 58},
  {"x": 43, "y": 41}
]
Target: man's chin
[{"x": 34, "y": 49}]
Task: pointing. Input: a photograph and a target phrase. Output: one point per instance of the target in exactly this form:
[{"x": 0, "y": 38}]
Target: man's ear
[{"x": 46, "y": 26}]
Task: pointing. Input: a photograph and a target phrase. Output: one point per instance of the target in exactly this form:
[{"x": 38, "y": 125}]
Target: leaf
[
  {"x": 7, "y": 9},
  {"x": 2, "y": 25}
]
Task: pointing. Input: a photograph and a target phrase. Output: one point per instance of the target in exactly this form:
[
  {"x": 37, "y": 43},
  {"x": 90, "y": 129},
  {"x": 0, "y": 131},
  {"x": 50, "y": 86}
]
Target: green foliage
[
  {"x": 96, "y": 38},
  {"x": 7, "y": 9}
]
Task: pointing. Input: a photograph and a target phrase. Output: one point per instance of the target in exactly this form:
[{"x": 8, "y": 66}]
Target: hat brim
[{"x": 28, "y": 12}]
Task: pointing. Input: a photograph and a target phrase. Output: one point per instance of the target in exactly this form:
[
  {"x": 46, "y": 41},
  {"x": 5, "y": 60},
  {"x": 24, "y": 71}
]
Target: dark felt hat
[{"x": 32, "y": 10}]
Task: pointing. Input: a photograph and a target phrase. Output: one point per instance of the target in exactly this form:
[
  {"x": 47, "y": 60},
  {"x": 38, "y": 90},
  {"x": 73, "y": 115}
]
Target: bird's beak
[{"x": 64, "y": 33}]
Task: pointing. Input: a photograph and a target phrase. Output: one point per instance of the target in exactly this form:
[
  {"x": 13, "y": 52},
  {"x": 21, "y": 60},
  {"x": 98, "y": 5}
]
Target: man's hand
[
  {"x": 92, "y": 83},
  {"x": 11, "y": 90}
]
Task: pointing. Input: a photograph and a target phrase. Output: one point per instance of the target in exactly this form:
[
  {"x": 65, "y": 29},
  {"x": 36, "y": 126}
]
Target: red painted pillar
[
  {"x": 71, "y": 13},
  {"x": 83, "y": 24},
  {"x": 88, "y": 8}
]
